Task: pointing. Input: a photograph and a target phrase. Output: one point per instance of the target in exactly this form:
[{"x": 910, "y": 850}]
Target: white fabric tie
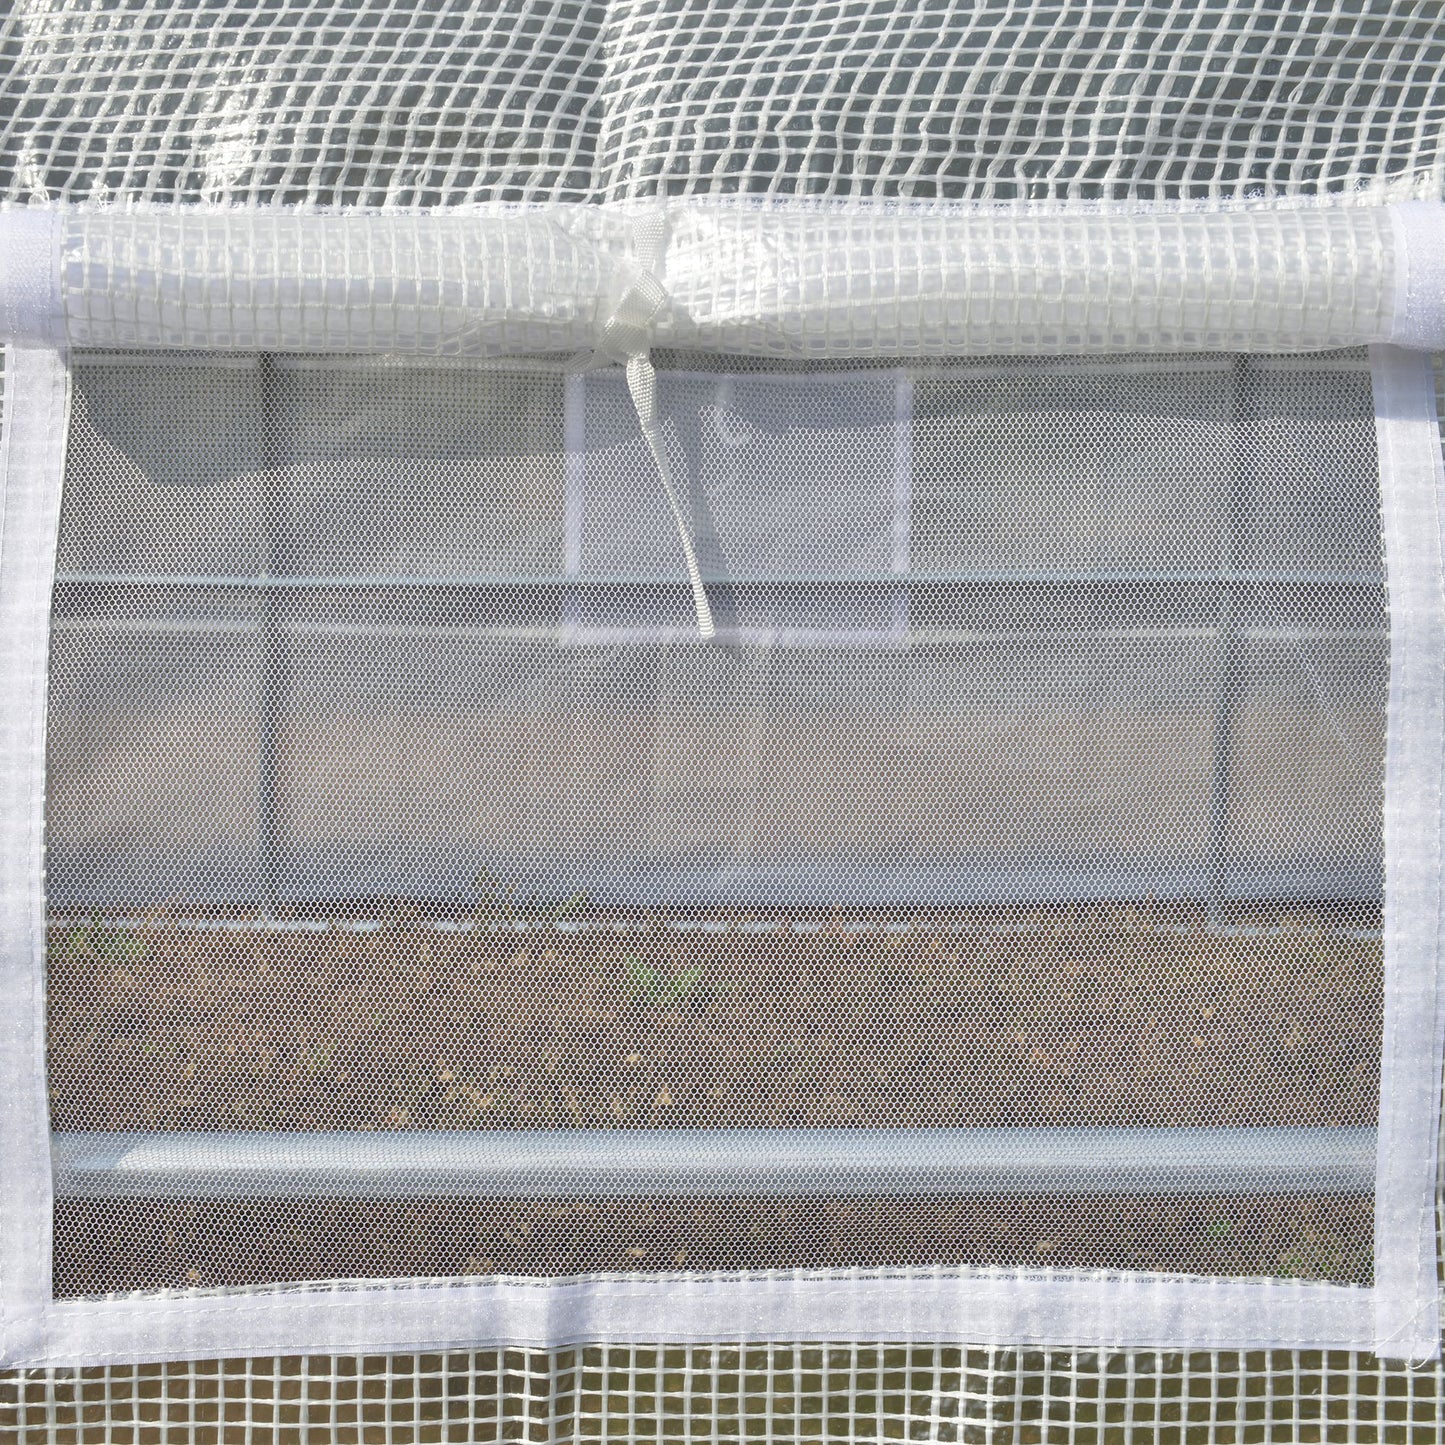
[{"x": 626, "y": 338}]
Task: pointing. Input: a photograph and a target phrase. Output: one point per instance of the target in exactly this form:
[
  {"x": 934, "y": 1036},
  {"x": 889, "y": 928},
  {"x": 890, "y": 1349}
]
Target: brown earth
[
  {"x": 1111, "y": 1018},
  {"x": 1095, "y": 1017}
]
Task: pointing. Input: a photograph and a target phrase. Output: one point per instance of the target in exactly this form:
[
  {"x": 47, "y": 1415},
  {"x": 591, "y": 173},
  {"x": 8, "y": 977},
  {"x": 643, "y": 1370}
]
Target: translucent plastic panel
[{"x": 379, "y": 103}]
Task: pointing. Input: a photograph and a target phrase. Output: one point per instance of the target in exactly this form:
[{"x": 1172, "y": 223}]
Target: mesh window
[{"x": 1033, "y": 781}]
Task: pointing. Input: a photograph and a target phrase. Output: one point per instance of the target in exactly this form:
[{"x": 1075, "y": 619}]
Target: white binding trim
[
  {"x": 32, "y": 464},
  {"x": 1419, "y": 275},
  {"x": 1004, "y": 1306},
  {"x": 30, "y": 244},
  {"x": 1412, "y": 481}
]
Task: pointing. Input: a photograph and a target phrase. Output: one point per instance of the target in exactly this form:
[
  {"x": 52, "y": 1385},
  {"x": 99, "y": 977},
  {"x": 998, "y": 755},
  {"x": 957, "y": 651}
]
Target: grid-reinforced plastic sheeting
[
  {"x": 691, "y": 688},
  {"x": 382, "y": 104}
]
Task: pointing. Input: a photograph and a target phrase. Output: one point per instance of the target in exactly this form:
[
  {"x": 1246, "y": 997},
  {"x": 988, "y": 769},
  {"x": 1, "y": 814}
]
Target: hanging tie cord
[{"x": 626, "y": 338}]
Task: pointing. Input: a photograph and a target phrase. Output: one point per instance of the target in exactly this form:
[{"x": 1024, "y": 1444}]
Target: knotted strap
[{"x": 626, "y": 338}]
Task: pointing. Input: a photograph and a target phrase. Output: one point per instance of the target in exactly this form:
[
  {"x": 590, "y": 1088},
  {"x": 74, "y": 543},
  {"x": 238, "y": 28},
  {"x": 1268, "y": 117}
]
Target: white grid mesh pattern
[
  {"x": 333, "y": 102},
  {"x": 776, "y": 1393},
  {"x": 1012, "y": 102}
]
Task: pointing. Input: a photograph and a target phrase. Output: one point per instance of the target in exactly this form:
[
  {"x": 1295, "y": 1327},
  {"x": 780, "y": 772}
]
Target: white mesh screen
[
  {"x": 1032, "y": 780},
  {"x": 374, "y": 104}
]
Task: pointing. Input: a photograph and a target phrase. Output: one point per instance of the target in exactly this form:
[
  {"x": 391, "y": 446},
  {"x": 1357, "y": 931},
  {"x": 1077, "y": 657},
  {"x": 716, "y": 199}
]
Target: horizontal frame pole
[
  {"x": 734, "y": 1163},
  {"x": 928, "y": 283},
  {"x": 972, "y": 577}
]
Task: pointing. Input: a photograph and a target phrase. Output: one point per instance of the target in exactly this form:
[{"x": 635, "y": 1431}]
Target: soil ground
[{"x": 1105, "y": 1016}]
